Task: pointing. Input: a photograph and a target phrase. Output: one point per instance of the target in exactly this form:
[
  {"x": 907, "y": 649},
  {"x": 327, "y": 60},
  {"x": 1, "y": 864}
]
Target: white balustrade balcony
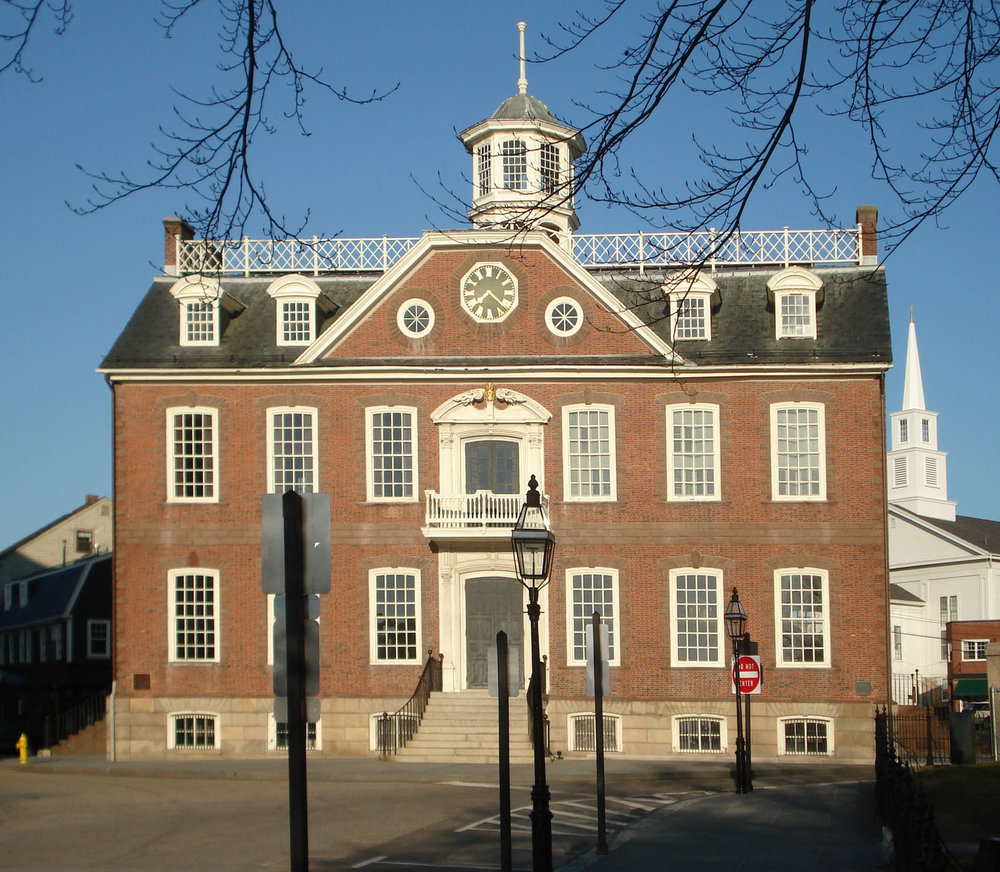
[{"x": 478, "y": 515}]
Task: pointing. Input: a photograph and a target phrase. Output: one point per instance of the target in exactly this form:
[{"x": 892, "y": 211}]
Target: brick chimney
[
  {"x": 867, "y": 218},
  {"x": 174, "y": 228},
  {"x": 92, "y": 498}
]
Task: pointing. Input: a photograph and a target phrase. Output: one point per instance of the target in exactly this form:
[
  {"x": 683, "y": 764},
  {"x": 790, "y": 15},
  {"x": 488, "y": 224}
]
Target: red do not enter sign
[{"x": 749, "y": 674}]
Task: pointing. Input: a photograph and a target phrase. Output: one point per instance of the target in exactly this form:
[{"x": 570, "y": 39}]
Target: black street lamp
[
  {"x": 533, "y": 544},
  {"x": 736, "y": 625}
]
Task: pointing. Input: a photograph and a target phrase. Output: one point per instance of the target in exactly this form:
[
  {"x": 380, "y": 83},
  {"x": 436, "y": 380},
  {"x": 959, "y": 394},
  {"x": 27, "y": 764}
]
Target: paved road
[{"x": 85, "y": 814}]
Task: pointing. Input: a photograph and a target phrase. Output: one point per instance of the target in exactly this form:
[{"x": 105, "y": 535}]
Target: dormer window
[
  {"x": 796, "y": 293},
  {"x": 199, "y": 298},
  {"x": 515, "y": 165},
  {"x": 690, "y": 306},
  {"x": 295, "y": 309}
]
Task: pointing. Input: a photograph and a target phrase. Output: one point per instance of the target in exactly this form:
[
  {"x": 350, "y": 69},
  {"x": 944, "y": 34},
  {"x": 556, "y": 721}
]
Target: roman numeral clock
[{"x": 489, "y": 293}]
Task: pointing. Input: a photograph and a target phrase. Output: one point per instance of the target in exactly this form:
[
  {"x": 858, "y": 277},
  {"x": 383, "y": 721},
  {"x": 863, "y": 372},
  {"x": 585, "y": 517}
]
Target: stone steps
[{"x": 463, "y": 728}]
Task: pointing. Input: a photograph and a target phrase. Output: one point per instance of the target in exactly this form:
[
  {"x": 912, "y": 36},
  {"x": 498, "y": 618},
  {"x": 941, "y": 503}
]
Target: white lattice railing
[
  {"x": 594, "y": 251},
  {"x": 480, "y": 510}
]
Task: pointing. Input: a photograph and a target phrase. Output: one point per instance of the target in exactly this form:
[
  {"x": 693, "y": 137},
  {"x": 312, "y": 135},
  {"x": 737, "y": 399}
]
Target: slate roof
[
  {"x": 899, "y": 594},
  {"x": 980, "y": 532},
  {"x": 524, "y": 107},
  {"x": 852, "y": 325},
  {"x": 52, "y": 594}
]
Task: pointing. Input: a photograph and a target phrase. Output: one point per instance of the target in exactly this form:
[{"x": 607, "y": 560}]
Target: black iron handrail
[
  {"x": 395, "y": 730},
  {"x": 69, "y": 722}
]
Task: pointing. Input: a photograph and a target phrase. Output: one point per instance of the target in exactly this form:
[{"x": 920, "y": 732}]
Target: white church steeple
[
  {"x": 522, "y": 165},
  {"x": 917, "y": 472}
]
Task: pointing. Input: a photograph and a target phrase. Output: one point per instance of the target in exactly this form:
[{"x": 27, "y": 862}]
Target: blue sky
[{"x": 72, "y": 282}]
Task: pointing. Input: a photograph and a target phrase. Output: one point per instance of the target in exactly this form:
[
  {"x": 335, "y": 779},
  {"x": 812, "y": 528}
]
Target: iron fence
[
  {"x": 396, "y": 729},
  {"x": 69, "y": 722}
]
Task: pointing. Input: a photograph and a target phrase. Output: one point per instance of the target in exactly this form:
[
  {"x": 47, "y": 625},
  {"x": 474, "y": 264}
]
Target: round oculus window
[
  {"x": 563, "y": 316},
  {"x": 415, "y": 318}
]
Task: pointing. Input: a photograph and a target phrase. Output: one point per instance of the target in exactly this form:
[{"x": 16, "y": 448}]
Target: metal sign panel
[
  {"x": 605, "y": 668},
  {"x": 316, "y": 541}
]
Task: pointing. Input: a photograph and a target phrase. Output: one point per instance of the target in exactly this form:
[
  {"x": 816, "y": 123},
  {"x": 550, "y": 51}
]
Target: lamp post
[
  {"x": 533, "y": 544},
  {"x": 736, "y": 625}
]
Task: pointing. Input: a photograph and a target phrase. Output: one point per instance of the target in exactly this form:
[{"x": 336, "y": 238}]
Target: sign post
[{"x": 599, "y": 659}]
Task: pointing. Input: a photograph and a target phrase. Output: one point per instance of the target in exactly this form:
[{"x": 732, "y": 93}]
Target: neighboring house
[
  {"x": 694, "y": 429},
  {"x": 944, "y": 567},
  {"x": 55, "y": 641},
  {"x": 967, "y": 641},
  {"x": 83, "y": 532}
]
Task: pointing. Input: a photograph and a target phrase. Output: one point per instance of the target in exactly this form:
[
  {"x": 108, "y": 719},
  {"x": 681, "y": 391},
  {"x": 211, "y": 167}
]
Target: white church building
[{"x": 943, "y": 567}]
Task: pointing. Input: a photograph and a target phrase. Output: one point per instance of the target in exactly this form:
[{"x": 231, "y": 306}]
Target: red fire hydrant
[{"x": 22, "y": 747}]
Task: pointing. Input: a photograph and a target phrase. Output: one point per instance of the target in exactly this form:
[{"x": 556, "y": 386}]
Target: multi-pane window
[
  {"x": 84, "y": 541},
  {"x": 974, "y": 649},
  {"x": 699, "y": 734},
  {"x": 296, "y": 322},
  {"x": 192, "y": 455},
  {"x": 897, "y": 642},
  {"x": 391, "y": 454},
  {"x": 591, "y": 591},
  {"x": 485, "y": 157},
  {"x": 548, "y": 162},
  {"x": 948, "y": 609},
  {"x": 200, "y": 317},
  {"x": 292, "y": 450},
  {"x": 194, "y": 615},
  {"x": 696, "y": 613},
  {"x": 691, "y": 316},
  {"x": 944, "y": 645},
  {"x": 395, "y": 631},
  {"x": 515, "y": 165},
  {"x": 904, "y": 431},
  {"x": 798, "y": 452},
  {"x": 589, "y": 440},
  {"x": 194, "y": 732},
  {"x": 805, "y": 736},
  {"x": 803, "y": 619},
  {"x": 693, "y": 452},
  {"x": 925, "y": 429},
  {"x": 795, "y": 313},
  {"x": 98, "y": 638}
]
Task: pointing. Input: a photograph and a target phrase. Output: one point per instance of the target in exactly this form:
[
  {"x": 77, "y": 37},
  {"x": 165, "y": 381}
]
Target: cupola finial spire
[{"x": 522, "y": 82}]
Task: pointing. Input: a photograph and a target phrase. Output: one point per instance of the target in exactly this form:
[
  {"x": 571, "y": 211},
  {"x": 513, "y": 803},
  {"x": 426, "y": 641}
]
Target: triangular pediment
[
  {"x": 472, "y": 295},
  {"x": 914, "y": 540}
]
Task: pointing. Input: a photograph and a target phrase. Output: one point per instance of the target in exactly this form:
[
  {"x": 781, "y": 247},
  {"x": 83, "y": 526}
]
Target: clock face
[{"x": 488, "y": 292}]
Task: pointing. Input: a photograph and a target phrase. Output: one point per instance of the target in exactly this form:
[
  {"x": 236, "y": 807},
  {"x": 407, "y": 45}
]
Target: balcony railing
[
  {"x": 597, "y": 251},
  {"x": 479, "y": 511}
]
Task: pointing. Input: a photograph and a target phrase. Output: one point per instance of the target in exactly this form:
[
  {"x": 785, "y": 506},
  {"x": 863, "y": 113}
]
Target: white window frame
[
  {"x": 194, "y": 294},
  {"x": 776, "y": 454},
  {"x": 172, "y": 617},
  {"x": 685, "y": 323},
  {"x": 897, "y": 642},
  {"x": 974, "y": 650},
  {"x": 92, "y": 624},
  {"x": 904, "y": 431},
  {"x": 572, "y": 718},
  {"x": 720, "y": 720},
  {"x": 585, "y": 616},
  {"x": 212, "y": 484},
  {"x": 721, "y": 658},
  {"x": 300, "y": 291},
  {"x": 172, "y": 731},
  {"x": 484, "y": 168},
  {"x": 947, "y": 608},
  {"x": 314, "y": 742},
  {"x": 514, "y": 164},
  {"x": 807, "y": 720},
  {"x": 568, "y": 456},
  {"x": 312, "y": 454},
  {"x": 404, "y": 312},
  {"x": 673, "y": 456},
  {"x": 795, "y": 282},
  {"x": 549, "y": 167},
  {"x": 824, "y": 619},
  {"x": 412, "y": 456},
  {"x": 373, "y": 616},
  {"x": 564, "y": 304}
]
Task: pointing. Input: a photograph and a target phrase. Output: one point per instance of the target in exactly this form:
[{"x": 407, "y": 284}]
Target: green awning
[{"x": 965, "y": 688}]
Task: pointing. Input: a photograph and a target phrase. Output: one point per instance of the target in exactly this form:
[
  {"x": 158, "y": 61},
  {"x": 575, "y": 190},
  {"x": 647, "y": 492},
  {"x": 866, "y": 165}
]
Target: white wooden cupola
[{"x": 522, "y": 165}]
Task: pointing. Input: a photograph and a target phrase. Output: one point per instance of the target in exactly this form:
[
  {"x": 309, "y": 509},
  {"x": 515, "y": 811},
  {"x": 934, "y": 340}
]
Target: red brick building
[{"x": 699, "y": 418}]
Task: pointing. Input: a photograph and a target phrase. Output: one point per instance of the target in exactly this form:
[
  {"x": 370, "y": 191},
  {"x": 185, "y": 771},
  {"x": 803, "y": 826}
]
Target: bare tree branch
[{"x": 25, "y": 17}]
